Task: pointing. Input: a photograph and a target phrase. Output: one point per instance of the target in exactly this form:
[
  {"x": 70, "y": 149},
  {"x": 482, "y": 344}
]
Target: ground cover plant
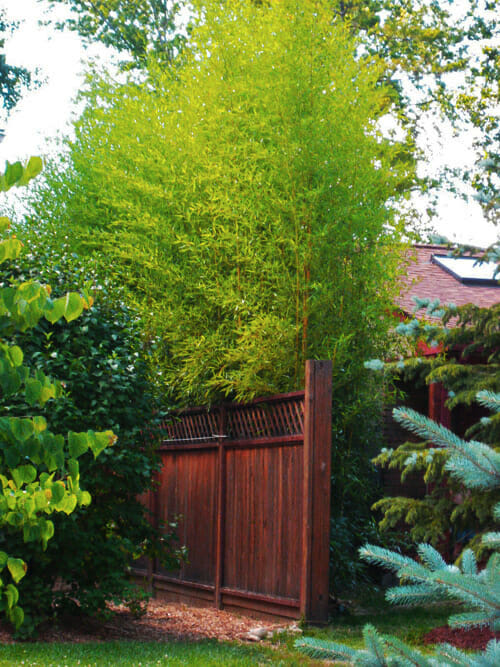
[{"x": 39, "y": 469}]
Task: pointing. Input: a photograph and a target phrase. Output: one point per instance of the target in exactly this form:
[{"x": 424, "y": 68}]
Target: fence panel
[{"x": 250, "y": 484}]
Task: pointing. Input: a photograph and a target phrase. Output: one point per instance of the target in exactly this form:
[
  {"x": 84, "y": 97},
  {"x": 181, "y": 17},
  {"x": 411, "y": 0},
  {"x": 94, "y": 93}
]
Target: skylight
[{"x": 468, "y": 271}]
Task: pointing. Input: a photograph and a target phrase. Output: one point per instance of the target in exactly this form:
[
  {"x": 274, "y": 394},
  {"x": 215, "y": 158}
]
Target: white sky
[{"x": 45, "y": 112}]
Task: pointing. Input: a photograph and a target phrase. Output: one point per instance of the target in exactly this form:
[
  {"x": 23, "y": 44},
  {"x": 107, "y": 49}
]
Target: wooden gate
[{"x": 251, "y": 485}]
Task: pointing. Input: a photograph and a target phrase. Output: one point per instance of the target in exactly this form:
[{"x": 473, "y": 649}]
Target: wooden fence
[{"x": 251, "y": 485}]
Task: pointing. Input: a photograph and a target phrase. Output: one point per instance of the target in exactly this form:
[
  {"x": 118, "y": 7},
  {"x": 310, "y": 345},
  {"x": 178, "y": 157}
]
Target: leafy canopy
[
  {"x": 247, "y": 201},
  {"x": 137, "y": 28},
  {"x": 13, "y": 79}
]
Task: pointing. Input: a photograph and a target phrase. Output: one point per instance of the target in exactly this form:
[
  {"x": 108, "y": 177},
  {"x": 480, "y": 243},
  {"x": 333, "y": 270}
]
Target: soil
[
  {"x": 474, "y": 638},
  {"x": 163, "y": 621}
]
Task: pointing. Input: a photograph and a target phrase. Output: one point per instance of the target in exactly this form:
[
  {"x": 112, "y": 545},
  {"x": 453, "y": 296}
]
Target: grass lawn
[
  {"x": 148, "y": 653},
  {"x": 408, "y": 624}
]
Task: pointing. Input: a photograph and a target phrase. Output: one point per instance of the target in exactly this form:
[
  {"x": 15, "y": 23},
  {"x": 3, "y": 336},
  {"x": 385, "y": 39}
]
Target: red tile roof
[{"x": 428, "y": 280}]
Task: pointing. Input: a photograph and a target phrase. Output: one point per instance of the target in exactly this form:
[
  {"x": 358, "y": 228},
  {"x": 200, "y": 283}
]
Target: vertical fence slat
[
  {"x": 221, "y": 510},
  {"x": 267, "y": 501},
  {"x": 316, "y": 491}
]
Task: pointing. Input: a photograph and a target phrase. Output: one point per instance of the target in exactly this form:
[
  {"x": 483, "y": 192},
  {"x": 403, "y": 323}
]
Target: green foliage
[
  {"x": 13, "y": 79},
  {"x": 137, "y": 28},
  {"x": 430, "y": 579},
  {"x": 247, "y": 203},
  {"x": 442, "y": 60},
  {"x": 39, "y": 470},
  {"x": 99, "y": 358},
  {"x": 469, "y": 362},
  {"x": 223, "y": 197}
]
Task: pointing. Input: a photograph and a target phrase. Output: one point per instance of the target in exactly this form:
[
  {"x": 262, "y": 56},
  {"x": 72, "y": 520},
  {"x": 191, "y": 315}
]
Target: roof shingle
[{"x": 425, "y": 279}]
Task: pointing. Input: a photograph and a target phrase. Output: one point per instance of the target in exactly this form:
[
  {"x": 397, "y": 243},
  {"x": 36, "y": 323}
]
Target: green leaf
[
  {"x": 24, "y": 475},
  {"x": 22, "y": 429},
  {"x": 34, "y": 167},
  {"x": 12, "y": 595},
  {"x": 28, "y": 472},
  {"x": 3, "y": 560},
  {"x": 84, "y": 498},
  {"x": 73, "y": 306},
  {"x": 39, "y": 424},
  {"x": 41, "y": 500},
  {"x": 74, "y": 468},
  {"x": 99, "y": 441},
  {"x": 16, "y": 616},
  {"x": 78, "y": 443},
  {"x": 68, "y": 504},
  {"x": 13, "y": 173},
  {"x": 16, "y": 355},
  {"x": 47, "y": 532},
  {"x": 33, "y": 391},
  {"x": 58, "y": 490},
  {"x": 54, "y": 310},
  {"x": 48, "y": 392},
  {"x": 17, "y": 568}
]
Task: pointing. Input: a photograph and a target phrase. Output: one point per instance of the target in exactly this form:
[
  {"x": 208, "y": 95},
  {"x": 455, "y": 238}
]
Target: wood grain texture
[{"x": 250, "y": 488}]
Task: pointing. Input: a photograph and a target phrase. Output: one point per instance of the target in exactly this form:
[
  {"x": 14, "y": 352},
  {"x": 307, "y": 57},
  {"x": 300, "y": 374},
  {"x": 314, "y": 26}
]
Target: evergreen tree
[
  {"x": 476, "y": 466},
  {"x": 469, "y": 360}
]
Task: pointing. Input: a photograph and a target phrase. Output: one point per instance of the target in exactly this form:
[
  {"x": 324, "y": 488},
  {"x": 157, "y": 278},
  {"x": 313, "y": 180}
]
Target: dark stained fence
[{"x": 250, "y": 485}]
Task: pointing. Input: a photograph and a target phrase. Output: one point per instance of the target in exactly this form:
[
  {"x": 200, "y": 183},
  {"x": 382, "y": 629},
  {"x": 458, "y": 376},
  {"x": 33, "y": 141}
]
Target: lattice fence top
[{"x": 280, "y": 415}]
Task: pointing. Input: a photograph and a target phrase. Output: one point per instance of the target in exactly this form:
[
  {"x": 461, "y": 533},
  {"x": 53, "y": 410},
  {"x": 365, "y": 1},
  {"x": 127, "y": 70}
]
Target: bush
[
  {"x": 39, "y": 470},
  {"x": 99, "y": 359}
]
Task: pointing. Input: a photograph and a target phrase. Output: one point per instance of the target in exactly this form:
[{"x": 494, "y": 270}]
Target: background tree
[
  {"x": 12, "y": 79},
  {"x": 469, "y": 360},
  {"x": 136, "y": 28},
  {"x": 248, "y": 218}
]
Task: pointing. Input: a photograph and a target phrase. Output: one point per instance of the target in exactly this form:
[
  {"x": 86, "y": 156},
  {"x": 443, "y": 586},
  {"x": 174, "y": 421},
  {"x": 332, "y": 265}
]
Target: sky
[{"x": 46, "y": 112}]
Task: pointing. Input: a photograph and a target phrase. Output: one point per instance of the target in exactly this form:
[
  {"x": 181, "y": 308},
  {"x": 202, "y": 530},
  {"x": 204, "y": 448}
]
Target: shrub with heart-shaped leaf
[{"x": 39, "y": 470}]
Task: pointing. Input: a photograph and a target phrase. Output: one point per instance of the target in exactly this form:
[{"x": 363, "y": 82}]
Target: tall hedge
[{"x": 246, "y": 198}]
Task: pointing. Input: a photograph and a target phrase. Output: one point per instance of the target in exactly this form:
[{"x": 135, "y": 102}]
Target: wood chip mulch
[
  {"x": 163, "y": 621},
  {"x": 473, "y": 638}
]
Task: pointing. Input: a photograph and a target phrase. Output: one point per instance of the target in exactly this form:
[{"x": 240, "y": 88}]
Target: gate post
[{"x": 316, "y": 491}]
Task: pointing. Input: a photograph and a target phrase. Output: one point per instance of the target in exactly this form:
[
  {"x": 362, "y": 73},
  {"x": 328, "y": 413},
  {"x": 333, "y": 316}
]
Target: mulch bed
[
  {"x": 474, "y": 638},
  {"x": 163, "y": 621}
]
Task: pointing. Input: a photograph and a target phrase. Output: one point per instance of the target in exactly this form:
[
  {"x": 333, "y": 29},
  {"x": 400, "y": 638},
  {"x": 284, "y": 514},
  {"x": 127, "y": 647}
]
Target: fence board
[{"x": 250, "y": 485}]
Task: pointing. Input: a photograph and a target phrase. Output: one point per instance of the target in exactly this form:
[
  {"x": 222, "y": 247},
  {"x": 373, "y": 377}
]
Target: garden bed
[{"x": 162, "y": 622}]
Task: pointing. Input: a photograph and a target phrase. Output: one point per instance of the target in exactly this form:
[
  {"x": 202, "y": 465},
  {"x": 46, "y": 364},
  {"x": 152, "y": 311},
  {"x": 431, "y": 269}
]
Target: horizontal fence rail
[{"x": 249, "y": 485}]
